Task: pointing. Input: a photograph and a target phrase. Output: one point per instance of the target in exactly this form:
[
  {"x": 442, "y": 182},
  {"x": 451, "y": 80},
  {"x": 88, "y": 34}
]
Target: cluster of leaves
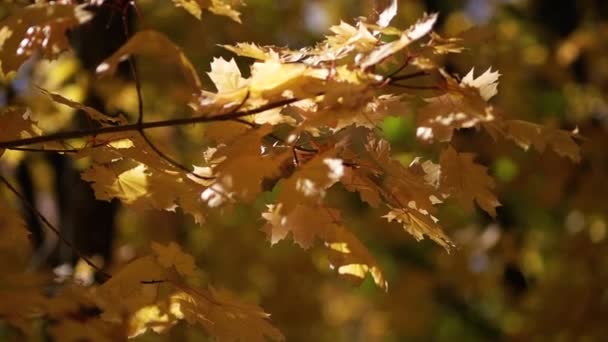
[{"x": 304, "y": 123}]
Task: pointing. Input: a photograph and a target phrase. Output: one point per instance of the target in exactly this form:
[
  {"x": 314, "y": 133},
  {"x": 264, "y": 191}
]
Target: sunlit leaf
[
  {"x": 39, "y": 28},
  {"x": 415, "y": 32},
  {"x": 218, "y": 7}
]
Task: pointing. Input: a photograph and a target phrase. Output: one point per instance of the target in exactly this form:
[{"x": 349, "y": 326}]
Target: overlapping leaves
[{"x": 302, "y": 122}]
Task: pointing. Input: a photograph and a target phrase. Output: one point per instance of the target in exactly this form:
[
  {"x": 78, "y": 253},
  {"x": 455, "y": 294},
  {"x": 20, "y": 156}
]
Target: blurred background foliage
[{"x": 537, "y": 272}]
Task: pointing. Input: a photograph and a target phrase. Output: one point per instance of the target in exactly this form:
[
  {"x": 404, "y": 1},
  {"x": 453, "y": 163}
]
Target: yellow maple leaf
[{"x": 226, "y": 75}]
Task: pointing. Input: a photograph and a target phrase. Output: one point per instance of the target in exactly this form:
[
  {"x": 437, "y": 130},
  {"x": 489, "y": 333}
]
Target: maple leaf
[
  {"x": 225, "y": 317},
  {"x": 153, "y": 317},
  {"x": 346, "y": 38},
  {"x": 374, "y": 112},
  {"x": 172, "y": 256},
  {"x": 305, "y": 223},
  {"x": 443, "y": 46},
  {"x": 310, "y": 181},
  {"x": 348, "y": 256},
  {"x": 308, "y": 223},
  {"x": 232, "y": 89},
  {"x": 218, "y": 7},
  {"x": 125, "y": 293},
  {"x": 226, "y": 75},
  {"x": 252, "y": 50},
  {"x": 152, "y": 43},
  {"x": 360, "y": 181},
  {"x": 462, "y": 106},
  {"x": 134, "y": 174},
  {"x": 16, "y": 123},
  {"x": 92, "y": 113},
  {"x": 415, "y": 32},
  {"x": 121, "y": 179},
  {"x": 39, "y": 28},
  {"x": 409, "y": 192},
  {"x": 527, "y": 134},
  {"x": 271, "y": 79},
  {"x": 387, "y": 14},
  {"x": 467, "y": 181},
  {"x": 486, "y": 83},
  {"x": 401, "y": 186},
  {"x": 243, "y": 166},
  {"x": 419, "y": 224}
]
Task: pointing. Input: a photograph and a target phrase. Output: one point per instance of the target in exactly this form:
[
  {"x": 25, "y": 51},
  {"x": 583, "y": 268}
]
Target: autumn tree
[{"x": 278, "y": 135}]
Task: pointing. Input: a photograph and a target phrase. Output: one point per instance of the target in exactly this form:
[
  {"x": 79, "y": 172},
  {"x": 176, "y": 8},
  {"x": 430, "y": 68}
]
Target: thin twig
[
  {"x": 53, "y": 228},
  {"x": 33, "y": 149},
  {"x": 171, "y": 160},
  {"x": 140, "y": 102},
  {"x": 133, "y": 69},
  {"x": 398, "y": 70},
  {"x": 148, "y": 282},
  {"x": 414, "y": 87},
  {"x": 409, "y": 76}
]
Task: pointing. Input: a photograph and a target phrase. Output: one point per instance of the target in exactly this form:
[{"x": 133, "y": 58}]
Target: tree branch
[
  {"x": 140, "y": 126},
  {"x": 170, "y": 160},
  {"x": 55, "y": 230},
  {"x": 143, "y": 126}
]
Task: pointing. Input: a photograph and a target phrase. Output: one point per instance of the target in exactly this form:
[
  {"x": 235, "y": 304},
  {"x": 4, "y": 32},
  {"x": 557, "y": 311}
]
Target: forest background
[{"x": 536, "y": 271}]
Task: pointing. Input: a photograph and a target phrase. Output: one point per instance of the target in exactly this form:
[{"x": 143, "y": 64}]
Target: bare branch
[
  {"x": 421, "y": 73},
  {"x": 53, "y": 228},
  {"x": 144, "y": 125},
  {"x": 33, "y": 149},
  {"x": 170, "y": 160}
]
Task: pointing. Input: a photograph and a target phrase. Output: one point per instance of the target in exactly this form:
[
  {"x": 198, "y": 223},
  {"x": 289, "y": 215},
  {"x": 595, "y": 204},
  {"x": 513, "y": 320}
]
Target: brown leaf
[
  {"x": 92, "y": 113},
  {"x": 16, "y": 123},
  {"x": 527, "y": 134},
  {"x": 460, "y": 107},
  {"x": 348, "y": 256},
  {"x": 172, "y": 256},
  {"x": 152, "y": 43},
  {"x": 310, "y": 181},
  {"x": 125, "y": 293},
  {"x": 225, "y": 317},
  {"x": 419, "y": 224},
  {"x": 467, "y": 181}
]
